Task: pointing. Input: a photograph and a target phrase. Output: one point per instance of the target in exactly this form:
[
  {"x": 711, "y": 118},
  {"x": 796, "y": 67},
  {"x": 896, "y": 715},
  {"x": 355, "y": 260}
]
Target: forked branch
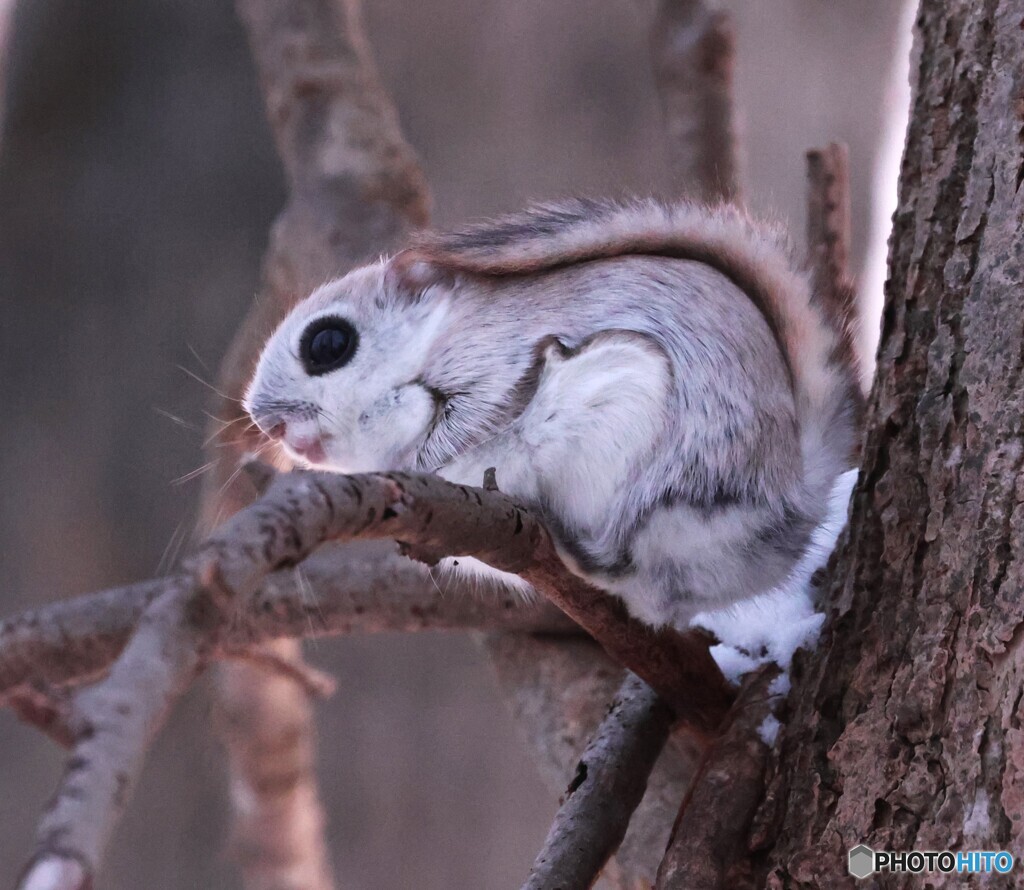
[{"x": 113, "y": 722}]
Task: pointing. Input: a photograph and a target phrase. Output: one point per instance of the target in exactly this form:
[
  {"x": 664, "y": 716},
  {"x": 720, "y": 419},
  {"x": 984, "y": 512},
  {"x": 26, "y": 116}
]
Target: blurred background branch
[
  {"x": 6, "y": 23},
  {"x": 692, "y": 52}
]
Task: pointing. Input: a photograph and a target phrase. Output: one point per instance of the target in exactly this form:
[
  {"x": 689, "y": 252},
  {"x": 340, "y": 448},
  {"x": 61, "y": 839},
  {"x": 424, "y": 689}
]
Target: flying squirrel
[{"x": 658, "y": 381}]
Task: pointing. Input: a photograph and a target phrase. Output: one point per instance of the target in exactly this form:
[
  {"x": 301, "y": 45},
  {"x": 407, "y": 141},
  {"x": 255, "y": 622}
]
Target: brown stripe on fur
[
  {"x": 540, "y": 239},
  {"x": 483, "y": 249}
]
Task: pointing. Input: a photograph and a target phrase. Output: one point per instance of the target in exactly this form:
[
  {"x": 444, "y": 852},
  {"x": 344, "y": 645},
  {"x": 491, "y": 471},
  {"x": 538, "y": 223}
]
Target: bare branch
[
  {"x": 608, "y": 784},
  {"x": 73, "y": 640},
  {"x": 677, "y": 665},
  {"x": 708, "y": 845},
  {"x": 361, "y": 588},
  {"x": 302, "y": 510},
  {"x": 115, "y": 720},
  {"x": 111, "y": 724},
  {"x": 265, "y": 722},
  {"x": 692, "y": 54},
  {"x": 828, "y": 222}
]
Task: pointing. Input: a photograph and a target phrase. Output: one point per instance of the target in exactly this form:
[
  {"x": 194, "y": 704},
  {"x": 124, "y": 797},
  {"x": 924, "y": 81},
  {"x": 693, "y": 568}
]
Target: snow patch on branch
[
  {"x": 768, "y": 731},
  {"x": 771, "y": 627}
]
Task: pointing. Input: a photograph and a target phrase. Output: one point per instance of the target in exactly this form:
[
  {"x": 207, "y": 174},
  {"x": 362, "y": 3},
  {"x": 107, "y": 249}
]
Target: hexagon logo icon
[{"x": 862, "y": 861}]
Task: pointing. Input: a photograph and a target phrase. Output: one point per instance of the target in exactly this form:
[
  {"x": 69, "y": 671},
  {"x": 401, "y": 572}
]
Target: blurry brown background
[{"x": 137, "y": 183}]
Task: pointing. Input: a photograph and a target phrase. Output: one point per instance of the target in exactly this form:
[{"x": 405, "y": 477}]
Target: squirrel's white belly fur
[
  {"x": 659, "y": 382},
  {"x": 608, "y": 405},
  {"x": 591, "y": 423}
]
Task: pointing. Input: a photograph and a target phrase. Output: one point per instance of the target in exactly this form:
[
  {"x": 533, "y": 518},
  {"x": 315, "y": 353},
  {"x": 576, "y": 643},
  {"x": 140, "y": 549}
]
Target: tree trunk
[{"x": 905, "y": 729}]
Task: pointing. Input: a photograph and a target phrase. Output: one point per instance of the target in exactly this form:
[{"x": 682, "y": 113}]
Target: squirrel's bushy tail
[{"x": 814, "y": 334}]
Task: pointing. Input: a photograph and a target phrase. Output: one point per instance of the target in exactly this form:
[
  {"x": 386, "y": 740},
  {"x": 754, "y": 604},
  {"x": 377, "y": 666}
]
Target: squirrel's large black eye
[{"x": 327, "y": 344}]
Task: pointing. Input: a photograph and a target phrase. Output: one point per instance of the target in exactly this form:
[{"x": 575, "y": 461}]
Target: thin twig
[
  {"x": 316, "y": 684},
  {"x": 828, "y": 222},
  {"x": 828, "y": 239},
  {"x": 607, "y": 786}
]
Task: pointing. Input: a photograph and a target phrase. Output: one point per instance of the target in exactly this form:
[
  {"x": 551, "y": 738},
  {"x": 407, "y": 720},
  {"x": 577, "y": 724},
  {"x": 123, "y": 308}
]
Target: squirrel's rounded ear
[{"x": 410, "y": 272}]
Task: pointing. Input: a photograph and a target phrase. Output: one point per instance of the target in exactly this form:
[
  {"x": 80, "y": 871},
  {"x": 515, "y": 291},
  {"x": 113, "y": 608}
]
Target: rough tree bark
[{"x": 905, "y": 727}]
